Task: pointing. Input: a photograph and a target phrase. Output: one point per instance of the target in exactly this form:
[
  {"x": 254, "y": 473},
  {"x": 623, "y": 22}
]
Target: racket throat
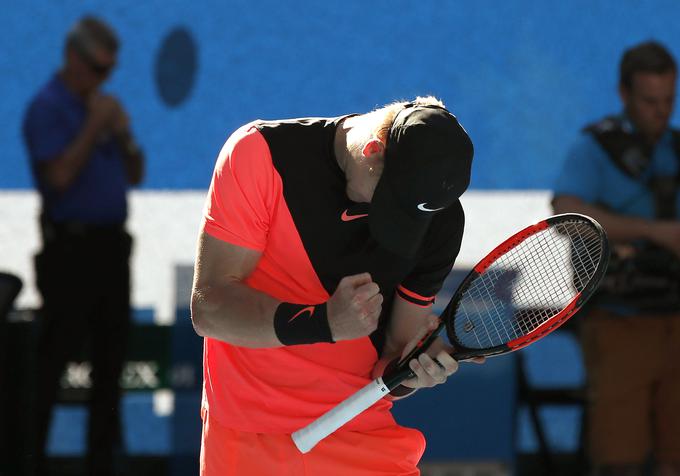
[{"x": 395, "y": 374}]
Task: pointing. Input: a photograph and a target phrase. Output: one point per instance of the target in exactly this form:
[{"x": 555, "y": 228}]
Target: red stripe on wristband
[
  {"x": 414, "y": 298},
  {"x": 297, "y": 324}
]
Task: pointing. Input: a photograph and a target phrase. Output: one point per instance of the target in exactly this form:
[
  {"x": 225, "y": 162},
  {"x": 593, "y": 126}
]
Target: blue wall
[{"x": 522, "y": 76}]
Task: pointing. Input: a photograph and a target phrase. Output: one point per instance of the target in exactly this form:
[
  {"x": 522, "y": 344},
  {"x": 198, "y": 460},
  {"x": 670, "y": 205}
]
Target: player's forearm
[
  {"x": 235, "y": 313},
  {"x": 619, "y": 227},
  {"x": 406, "y": 321}
]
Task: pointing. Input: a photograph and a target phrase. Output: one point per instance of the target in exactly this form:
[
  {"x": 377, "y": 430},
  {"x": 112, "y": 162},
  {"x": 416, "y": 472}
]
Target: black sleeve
[{"x": 439, "y": 252}]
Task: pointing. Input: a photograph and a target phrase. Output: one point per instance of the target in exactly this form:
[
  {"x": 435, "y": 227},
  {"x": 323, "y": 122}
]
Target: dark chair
[
  {"x": 564, "y": 392},
  {"x": 10, "y": 286}
]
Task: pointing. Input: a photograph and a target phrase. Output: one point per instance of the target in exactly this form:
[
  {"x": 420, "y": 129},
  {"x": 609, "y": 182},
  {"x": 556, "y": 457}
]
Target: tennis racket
[{"x": 527, "y": 287}]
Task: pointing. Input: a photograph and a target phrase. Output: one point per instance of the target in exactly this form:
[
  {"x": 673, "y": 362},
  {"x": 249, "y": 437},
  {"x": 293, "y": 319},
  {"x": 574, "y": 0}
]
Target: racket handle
[
  {"x": 398, "y": 370},
  {"x": 306, "y": 438}
]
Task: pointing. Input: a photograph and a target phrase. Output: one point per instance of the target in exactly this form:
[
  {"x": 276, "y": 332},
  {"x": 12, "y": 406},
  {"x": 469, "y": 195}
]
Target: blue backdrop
[{"x": 522, "y": 76}]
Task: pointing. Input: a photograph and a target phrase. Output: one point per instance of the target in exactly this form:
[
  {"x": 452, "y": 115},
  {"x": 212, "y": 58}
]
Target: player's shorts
[
  {"x": 633, "y": 365},
  {"x": 394, "y": 450}
]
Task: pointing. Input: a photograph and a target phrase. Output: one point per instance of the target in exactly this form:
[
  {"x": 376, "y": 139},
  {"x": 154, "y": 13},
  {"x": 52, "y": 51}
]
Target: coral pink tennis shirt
[{"x": 277, "y": 189}]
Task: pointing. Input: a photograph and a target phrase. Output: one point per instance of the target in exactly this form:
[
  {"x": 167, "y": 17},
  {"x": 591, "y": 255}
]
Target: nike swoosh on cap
[
  {"x": 425, "y": 209},
  {"x": 346, "y": 217}
]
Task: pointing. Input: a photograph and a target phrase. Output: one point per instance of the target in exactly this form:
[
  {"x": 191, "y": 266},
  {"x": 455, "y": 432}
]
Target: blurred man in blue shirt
[
  {"x": 624, "y": 172},
  {"x": 84, "y": 158}
]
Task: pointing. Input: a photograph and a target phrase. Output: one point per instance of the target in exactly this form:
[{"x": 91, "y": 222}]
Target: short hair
[
  {"x": 647, "y": 57},
  {"x": 90, "y": 32},
  {"x": 390, "y": 111}
]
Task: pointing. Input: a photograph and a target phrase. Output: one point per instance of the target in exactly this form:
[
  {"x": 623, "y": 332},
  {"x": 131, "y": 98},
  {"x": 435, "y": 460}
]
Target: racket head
[{"x": 527, "y": 287}]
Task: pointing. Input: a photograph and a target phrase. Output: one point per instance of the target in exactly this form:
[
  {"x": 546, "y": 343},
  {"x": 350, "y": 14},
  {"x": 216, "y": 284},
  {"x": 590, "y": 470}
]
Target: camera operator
[{"x": 623, "y": 171}]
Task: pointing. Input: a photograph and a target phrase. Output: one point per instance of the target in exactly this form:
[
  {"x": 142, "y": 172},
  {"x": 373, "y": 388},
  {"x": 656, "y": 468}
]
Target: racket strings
[
  {"x": 559, "y": 288},
  {"x": 516, "y": 327},
  {"x": 583, "y": 271},
  {"x": 528, "y": 285}
]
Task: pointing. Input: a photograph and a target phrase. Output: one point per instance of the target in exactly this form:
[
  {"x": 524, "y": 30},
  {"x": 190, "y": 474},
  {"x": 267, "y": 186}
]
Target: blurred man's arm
[
  {"x": 60, "y": 172},
  {"x": 622, "y": 228},
  {"x": 133, "y": 156}
]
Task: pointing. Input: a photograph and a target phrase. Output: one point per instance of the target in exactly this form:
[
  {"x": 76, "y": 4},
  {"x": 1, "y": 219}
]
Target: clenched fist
[{"x": 354, "y": 308}]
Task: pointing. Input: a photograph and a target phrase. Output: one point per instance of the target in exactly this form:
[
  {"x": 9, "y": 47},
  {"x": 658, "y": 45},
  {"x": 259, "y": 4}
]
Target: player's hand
[
  {"x": 428, "y": 371},
  {"x": 354, "y": 308}
]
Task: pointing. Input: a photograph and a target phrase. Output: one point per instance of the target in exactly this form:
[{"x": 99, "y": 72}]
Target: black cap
[{"x": 428, "y": 156}]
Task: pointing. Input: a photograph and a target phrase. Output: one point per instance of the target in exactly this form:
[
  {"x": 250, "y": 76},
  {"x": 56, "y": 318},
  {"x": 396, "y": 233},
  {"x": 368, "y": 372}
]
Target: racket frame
[{"x": 464, "y": 353}]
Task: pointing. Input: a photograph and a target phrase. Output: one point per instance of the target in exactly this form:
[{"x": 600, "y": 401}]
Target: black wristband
[{"x": 302, "y": 324}]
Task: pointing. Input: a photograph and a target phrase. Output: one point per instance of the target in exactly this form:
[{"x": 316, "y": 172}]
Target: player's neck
[{"x": 360, "y": 174}]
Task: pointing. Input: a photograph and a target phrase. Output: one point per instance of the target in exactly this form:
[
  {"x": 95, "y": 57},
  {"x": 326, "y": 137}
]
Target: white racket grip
[{"x": 306, "y": 438}]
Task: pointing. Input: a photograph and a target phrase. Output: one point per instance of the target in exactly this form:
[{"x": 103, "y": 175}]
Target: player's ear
[{"x": 373, "y": 147}]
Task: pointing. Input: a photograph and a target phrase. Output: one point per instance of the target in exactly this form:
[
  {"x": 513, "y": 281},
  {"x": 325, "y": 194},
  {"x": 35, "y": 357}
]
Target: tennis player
[{"x": 322, "y": 246}]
